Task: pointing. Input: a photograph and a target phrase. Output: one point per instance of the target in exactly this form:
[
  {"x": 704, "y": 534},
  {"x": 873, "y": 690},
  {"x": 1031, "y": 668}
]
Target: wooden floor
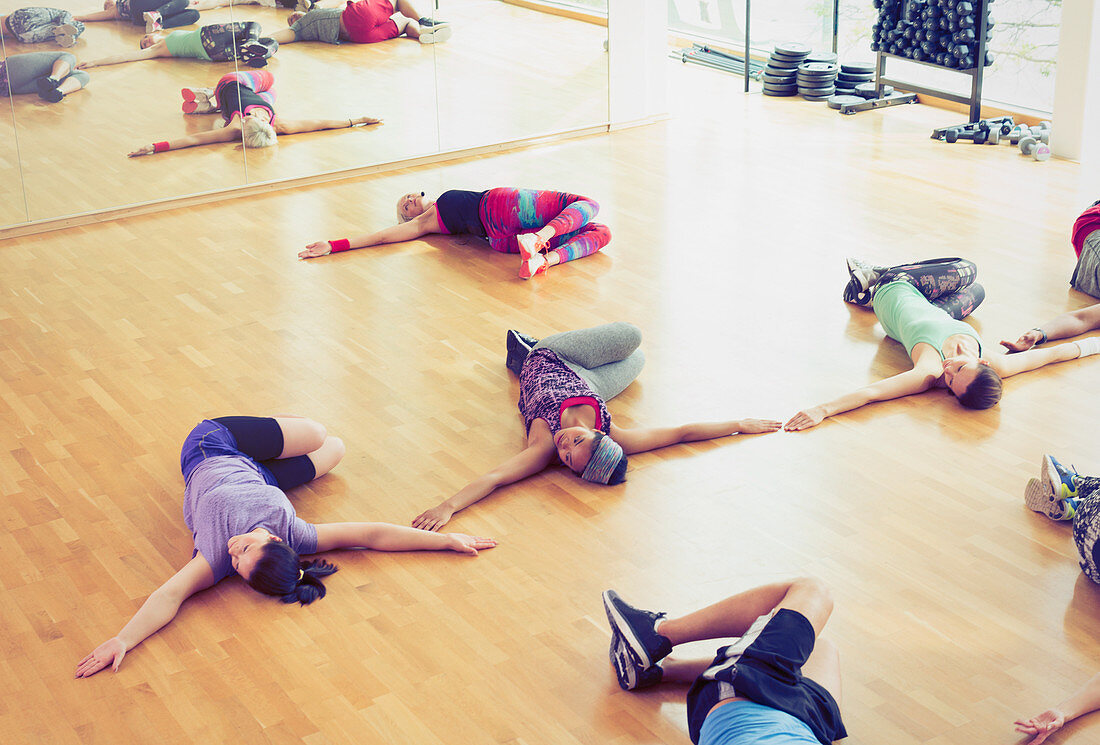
[
  {"x": 506, "y": 73},
  {"x": 957, "y": 608}
]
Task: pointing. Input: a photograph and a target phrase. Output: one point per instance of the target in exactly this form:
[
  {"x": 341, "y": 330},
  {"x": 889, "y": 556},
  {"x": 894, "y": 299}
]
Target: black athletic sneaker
[
  {"x": 864, "y": 276},
  {"x": 637, "y": 630},
  {"x": 630, "y": 674},
  {"x": 519, "y": 346},
  {"x": 431, "y": 22}
]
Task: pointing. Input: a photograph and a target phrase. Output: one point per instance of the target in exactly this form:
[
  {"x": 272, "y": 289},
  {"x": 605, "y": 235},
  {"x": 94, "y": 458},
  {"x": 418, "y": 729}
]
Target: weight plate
[
  {"x": 858, "y": 68},
  {"x": 867, "y": 90},
  {"x": 855, "y": 78},
  {"x": 817, "y": 68},
  {"x": 826, "y": 57},
  {"x": 835, "y": 102},
  {"x": 846, "y": 92},
  {"x": 818, "y": 80},
  {"x": 789, "y": 57},
  {"x": 826, "y": 92},
  {"x": 778, "y": 93},
  {"x": 815, "y": 98},
  {"x": 792, "y": 49},
  {"x": 779, "y": 80},
  {"x": 782, "y": 64},
  {"x": 768, "y": 87}
]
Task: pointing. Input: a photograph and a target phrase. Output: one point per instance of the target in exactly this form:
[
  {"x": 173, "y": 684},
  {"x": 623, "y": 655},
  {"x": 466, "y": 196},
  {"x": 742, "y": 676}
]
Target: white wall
[
  {"x": 637, "y": 35},
  {"x": 1077, "y": 87}
]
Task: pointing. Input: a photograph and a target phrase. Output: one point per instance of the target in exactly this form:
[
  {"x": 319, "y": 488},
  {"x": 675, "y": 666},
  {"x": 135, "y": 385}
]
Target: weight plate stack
[
  {"x": 781, "y": 72},
  {"x": 828, "y": 57},
  {"x": 817, "y": 80}
]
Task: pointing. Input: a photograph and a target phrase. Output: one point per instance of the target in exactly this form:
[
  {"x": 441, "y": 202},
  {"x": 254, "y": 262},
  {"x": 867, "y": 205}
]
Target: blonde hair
[
  {"x": 400, "y": 215},
  {"x": 258, "y": 133}
]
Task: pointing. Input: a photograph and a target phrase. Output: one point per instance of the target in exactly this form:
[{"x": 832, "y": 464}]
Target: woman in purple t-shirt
[
  {"x": 564, "y": 381},
  {"x": 236, "y": 470}
]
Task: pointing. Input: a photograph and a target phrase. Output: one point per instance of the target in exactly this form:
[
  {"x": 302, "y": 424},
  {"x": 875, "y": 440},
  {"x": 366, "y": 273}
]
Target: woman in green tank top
[
  {"x": 217, "y": 42},
  {"x": 922, "y": 306}
]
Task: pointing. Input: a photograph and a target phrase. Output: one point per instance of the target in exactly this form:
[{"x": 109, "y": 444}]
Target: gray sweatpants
[
  {"x": 320, "y": 24},
  {"x": 22, "y": 71},
  {"x": 606, "y": 357}
]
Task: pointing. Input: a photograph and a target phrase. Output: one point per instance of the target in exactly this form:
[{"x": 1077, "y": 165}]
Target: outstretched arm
[
  {"x": 228, "y": 134},
  {"x": 406, "y": 231},
  {"x": 160, "y": 608},
  {"x": 1050, "y": 721},
  {"x": 640, "y": 440},
  {"x": 1007, "y": 365},
  {"x": 897, "y": 386},
  {"x": 157, "y": 50},
  {"x": 387, "y": 537},
  {"x": 297, "y": 126},
  {"x": 1063, "y": 327},
  {"x": 527, "y": 463}
]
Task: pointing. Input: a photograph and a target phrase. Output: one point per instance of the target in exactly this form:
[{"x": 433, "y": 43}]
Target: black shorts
[{"x": 766, "y": 667}]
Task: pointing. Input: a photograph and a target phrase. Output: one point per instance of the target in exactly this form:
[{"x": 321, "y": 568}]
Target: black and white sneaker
[
  {"x": 430, "y": 23},
  {"x": 637, "y": 628},
  {"x": 631, "y": 675},
  {"x": 864, "y": 276},
  {"x": 519, "y": 346}
]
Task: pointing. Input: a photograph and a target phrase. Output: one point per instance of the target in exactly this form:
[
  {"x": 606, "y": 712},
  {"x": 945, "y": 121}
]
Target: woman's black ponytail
[{"x": 280, "y": 573}]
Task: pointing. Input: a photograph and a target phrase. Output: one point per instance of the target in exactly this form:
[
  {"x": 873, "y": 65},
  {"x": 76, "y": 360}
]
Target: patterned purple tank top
[{"x": 547, "y": 387}]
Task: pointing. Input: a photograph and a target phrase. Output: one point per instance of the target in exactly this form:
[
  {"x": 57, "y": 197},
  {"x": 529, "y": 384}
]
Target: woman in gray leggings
[
  {"x": 564, "y": 381},
  {"x": 52, "y": 75}
]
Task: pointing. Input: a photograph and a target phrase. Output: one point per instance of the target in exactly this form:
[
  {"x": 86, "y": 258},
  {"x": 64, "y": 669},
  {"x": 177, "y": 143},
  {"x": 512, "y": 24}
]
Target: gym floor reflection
[{"x": 506, "y": 73}]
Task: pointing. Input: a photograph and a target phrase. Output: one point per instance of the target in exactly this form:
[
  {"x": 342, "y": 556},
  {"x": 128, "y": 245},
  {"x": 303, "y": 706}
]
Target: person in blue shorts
[
  {"x": 778, "y": 683},
  {"x": 236, "y": 470}
]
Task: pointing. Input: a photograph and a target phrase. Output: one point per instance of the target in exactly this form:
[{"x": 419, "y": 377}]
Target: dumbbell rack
[{"x": 977, "y": 76}]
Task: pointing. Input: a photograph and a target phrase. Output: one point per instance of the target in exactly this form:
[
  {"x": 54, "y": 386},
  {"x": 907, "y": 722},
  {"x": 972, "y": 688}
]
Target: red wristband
[
  {"x": 341, "y": 245},
  {"x": 160, "y": 147}
]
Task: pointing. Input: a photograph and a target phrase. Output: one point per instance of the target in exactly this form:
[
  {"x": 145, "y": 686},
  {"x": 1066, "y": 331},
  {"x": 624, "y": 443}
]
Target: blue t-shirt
[
  {"x": 750, "y": 723},
  {"x": 226, "y": 496}
]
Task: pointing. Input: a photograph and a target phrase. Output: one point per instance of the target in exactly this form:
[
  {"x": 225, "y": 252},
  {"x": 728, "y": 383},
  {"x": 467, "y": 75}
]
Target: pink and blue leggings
[
  {"x": 259, "y": 82},
  {"x": 507, "y": 212}
]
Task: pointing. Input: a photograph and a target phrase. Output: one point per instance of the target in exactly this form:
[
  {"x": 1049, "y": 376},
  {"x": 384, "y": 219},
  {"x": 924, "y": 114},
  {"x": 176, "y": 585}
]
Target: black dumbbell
[{"x": 964, "y": 8}]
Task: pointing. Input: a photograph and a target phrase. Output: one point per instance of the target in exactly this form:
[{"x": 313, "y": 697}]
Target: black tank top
[
  {"x": 460, "y": 211},
  {"x": 234, "y": 98}
]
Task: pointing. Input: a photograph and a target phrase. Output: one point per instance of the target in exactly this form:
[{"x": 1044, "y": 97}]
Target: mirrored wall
[{"x": 497, "y": 72}]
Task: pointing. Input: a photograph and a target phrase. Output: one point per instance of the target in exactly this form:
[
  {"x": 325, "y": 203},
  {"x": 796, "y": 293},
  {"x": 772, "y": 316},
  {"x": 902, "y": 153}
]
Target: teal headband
[{"x": 606, "y": 454}]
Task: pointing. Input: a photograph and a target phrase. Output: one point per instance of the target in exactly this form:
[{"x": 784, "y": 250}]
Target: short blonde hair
[{"x": 258, "y": 133}]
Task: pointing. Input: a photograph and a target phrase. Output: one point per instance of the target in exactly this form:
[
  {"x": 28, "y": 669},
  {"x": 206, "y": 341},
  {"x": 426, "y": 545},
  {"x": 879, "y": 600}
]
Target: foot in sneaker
[
  {"x": 198, "y": 100},
  {"x": 532, "y": 261},
  {"x": 152, "y": 21},
  {"x": 46, "y": 84},
  {"x": 53, "y": 95},
  {"x": 864, "y": 276},
  {"x": 631, "y": 675},
  {"x": 1058, "y": 478},
  {"x": 1039, "y": 498},
  {"x": 535, "y": 265},
  {"x": 65, "y": 35},
  {"x": 434, "y": 34},
  {"x": 430, "y": 23},
  {"x": 305, "y": 5},
  {"x": 637, "y": 628},
  {"x": 519, "y": 346}
]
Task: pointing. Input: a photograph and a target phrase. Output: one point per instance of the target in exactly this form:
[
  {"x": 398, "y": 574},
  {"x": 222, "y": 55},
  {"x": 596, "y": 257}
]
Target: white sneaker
[
  {"x": 199, "y": 100},
  {"x": 435, "y": 35},
  {"x": 65, "y": 35},
  {"x": 152, "y": 22}
]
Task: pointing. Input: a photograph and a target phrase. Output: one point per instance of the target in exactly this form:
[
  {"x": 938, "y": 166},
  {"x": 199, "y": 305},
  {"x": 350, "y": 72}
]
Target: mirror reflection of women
[
  {"x": 246, "y": 102},
  {"x": 49, "y": 74}
]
